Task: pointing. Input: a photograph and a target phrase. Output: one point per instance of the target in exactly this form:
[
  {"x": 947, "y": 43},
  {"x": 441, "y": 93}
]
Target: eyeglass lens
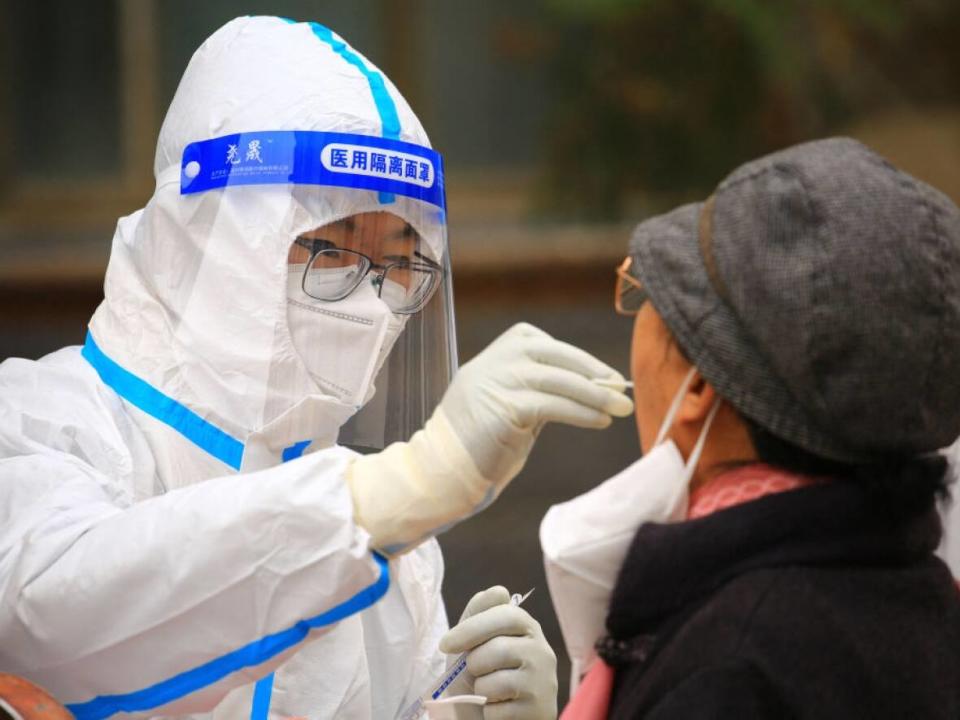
[{"x": 404, "y": 286}]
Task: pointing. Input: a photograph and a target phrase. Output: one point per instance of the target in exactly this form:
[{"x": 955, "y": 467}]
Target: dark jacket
[{"x": 805, "y": 604}]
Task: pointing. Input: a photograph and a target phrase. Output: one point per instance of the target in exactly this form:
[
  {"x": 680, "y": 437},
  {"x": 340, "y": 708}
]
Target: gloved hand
[
  {"x": 480, "y": 436},
  {"x": 511, "y": 662},
  {"x": 500, "y": 400}
]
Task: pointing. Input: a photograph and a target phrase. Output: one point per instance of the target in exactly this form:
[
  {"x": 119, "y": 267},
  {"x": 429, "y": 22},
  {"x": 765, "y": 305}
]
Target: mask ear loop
[
  {"x": 671, "y": 416},
  {"x": 674, "y": 407}
]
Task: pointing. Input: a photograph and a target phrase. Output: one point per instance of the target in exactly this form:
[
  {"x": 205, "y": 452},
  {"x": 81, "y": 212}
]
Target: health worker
[{"x": 184, "y": 529}]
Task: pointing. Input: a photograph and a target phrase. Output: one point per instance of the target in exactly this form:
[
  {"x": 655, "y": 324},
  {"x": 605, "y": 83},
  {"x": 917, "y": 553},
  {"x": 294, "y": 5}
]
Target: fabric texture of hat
[{"x": 818, "y": 291}]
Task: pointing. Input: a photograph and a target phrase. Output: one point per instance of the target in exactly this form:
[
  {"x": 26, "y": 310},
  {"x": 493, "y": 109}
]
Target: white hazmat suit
[
  {"x": 179, "y": 532},
  {"x": 140, "y": 573}
]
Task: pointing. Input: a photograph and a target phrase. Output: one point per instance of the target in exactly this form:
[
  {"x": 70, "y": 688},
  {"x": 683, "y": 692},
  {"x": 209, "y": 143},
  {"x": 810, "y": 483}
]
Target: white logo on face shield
[
  {"x": 379, "y": 163},
  {"x": 343, "y": 344},
  {"x": 253, "y": 151}
]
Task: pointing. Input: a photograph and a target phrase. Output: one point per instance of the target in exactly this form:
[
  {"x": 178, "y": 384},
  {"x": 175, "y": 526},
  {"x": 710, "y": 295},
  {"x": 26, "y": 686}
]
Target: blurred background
[{"x": 562, "y": 122}]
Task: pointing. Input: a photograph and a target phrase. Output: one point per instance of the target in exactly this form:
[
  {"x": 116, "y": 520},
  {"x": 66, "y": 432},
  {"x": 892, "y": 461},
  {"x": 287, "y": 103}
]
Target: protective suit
[
  {"x": 118, "y": 483},
  {"x": 182, "y": 529}
]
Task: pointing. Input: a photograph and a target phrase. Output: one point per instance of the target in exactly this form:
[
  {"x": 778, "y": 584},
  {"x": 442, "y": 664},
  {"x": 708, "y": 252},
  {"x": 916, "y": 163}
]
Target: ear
[{"x": 697, "y": 401}]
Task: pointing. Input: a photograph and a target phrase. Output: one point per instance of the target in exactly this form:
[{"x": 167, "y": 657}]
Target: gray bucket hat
[{"x": 818, "y": 290}]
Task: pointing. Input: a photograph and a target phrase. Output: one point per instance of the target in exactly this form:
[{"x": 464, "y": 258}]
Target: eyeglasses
[
  {"x": 629, "y": 295},
  {"x": 332, "y": 273}
]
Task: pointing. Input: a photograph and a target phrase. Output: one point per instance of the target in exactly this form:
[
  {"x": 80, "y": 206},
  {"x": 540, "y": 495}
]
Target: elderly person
[{"x": 795, "y": 357}]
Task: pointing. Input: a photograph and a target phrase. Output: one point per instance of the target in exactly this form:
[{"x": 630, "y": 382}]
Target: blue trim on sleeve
[
  {"x": 141, "y": 394},
  {"x": 251, "y": 655},
  {"x": 262, "y": 691},
  {"x": 294, "y": 451}
]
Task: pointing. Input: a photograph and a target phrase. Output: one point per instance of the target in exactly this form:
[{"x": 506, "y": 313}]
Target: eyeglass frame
[
  {"x": 315, "y": 246},
  {"x": 624, "y": 276}
]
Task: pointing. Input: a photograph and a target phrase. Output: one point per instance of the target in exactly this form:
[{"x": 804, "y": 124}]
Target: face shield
[{"x": 329, "y": 252}]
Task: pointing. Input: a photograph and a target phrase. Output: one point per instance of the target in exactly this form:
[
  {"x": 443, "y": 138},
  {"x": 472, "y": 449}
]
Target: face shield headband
[{"x": 363, "y": 162}]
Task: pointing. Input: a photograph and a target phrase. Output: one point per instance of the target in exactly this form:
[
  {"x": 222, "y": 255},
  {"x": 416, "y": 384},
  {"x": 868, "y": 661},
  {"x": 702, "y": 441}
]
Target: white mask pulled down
[
  {"x": 343, "y": 344},
  {"x": 585, "y": 540}
]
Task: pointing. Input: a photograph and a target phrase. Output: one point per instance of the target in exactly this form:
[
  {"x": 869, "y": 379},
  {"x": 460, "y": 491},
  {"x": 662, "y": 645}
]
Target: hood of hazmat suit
[
  {"x": 203, "y": 297},
  {"x": 178, "y": 537}
]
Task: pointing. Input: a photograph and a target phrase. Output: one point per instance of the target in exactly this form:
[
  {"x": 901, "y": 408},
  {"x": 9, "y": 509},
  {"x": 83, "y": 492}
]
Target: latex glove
[
  {"x": 500, "y": 400},
  {"x": 511, "y": 662},
  {"x": 480, "y": 436}
]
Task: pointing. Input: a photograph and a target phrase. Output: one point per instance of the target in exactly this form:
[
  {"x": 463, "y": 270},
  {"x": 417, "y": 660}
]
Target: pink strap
[{"x": 592, "y": 699}]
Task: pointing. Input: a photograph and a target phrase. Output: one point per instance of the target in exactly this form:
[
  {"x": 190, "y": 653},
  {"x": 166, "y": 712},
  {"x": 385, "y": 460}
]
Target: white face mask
[
  {"x": 395, "y": 325},
  {"x": 343, "y": 344},
  {"x": 586, "y": 539}
]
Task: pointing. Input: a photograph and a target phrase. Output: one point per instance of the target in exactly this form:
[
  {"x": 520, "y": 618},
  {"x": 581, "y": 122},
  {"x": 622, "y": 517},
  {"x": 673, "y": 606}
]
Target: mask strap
[
  {"x": 701, "y": 441},
  {"x": 671, "y": 415},
  {"x": 674, "y": 407}
]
